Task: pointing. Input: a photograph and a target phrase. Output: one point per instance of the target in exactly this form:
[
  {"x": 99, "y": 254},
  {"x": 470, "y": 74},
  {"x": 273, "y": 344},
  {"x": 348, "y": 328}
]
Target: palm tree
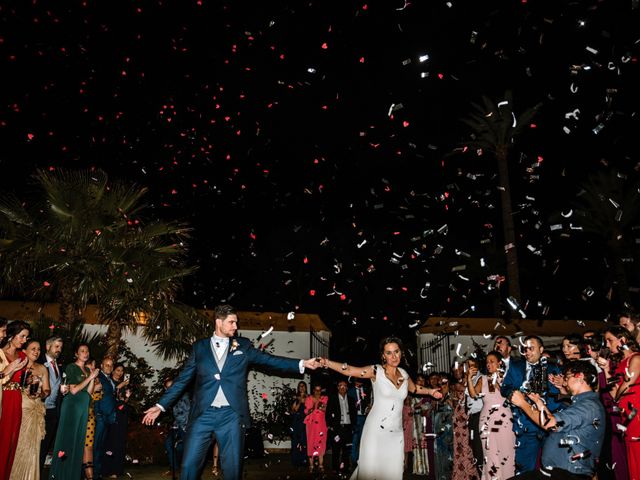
[
  {"x": 606, "y": 208},
  {"x": 86, "y": 240},
  {"x": 494, "y": 130}
]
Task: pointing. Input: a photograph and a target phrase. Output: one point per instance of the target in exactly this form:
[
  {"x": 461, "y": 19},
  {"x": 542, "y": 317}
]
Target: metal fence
[
  {"x": 317, "y": 346},
  {"x": 435, "y": 354}
]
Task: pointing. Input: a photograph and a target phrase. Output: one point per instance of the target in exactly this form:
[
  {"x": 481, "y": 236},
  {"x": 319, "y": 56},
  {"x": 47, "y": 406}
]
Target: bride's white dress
[{"x": 382, "y": 445}]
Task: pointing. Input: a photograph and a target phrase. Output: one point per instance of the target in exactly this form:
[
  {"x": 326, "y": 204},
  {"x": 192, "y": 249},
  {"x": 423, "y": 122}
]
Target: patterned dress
[
  {"x": 422, "y": 425},
  {"x": 464, "y": 467},
  {"x": 91, "y": 422}
]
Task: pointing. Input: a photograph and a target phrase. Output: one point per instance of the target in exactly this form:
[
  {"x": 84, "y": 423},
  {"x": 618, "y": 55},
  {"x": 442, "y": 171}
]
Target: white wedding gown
[{"x": 382, "y": 445}]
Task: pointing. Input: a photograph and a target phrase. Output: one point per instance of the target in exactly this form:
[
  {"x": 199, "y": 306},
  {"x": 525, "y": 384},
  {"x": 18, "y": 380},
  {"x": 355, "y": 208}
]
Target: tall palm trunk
[
  {"x": 114, "y": 334},
  {"x": 511, "y": 252}
]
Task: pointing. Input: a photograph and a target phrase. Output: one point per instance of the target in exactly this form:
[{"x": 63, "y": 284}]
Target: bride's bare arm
[{"x": 348, "y": 370}]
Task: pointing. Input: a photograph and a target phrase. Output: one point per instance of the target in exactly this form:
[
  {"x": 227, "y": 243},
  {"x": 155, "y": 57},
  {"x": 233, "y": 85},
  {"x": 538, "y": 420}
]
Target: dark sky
[{"x": 267, "y": 127}]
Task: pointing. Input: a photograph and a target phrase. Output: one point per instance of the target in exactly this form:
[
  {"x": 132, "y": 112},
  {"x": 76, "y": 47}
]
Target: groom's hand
[
  {"x": 311, "y": 363},
  {"x": 151, "y": 415}
]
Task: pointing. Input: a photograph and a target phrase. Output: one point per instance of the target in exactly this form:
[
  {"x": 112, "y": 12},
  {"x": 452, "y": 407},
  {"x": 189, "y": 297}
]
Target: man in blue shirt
[{"x": 576, "y": 433}]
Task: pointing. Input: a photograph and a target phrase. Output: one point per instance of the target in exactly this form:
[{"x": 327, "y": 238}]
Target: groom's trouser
[{"x": 225, "y": 424}]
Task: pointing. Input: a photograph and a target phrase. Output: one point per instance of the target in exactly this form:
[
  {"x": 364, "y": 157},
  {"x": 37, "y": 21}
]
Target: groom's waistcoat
[{"x": 229, "y": 374}]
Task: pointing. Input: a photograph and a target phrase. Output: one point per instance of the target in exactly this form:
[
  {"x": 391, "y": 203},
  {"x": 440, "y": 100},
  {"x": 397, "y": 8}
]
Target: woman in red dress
[
  {"x": 17, "y": 334},
  {"x": 315, "y": 406},
  {"x": 626, "y": 390}
]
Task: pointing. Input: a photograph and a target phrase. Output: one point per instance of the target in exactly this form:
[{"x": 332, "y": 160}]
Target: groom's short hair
[{"x": 223, "y": 311}]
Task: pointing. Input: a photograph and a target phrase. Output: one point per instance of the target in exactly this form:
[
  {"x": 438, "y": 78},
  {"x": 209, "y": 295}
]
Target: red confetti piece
[
  {"x": 61, "y": 454},
  {"x": 312, "y": 293},
  {"x": 325, "y": 46},
  {"x": 46, "y": 284}
]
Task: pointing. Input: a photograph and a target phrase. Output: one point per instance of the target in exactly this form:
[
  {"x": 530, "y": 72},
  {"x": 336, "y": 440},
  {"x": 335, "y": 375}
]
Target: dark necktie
[{"x": 55, "y": 368}]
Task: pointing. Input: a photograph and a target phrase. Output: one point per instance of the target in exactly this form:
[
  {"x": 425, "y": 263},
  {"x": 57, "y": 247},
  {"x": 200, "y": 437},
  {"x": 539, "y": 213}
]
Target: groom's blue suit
[{"x": 228, "y": 423}]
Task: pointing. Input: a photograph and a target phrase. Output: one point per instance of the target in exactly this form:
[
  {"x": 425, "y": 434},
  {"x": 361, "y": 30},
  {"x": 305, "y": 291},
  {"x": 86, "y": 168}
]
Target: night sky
[{"x": 309, "y": 144}]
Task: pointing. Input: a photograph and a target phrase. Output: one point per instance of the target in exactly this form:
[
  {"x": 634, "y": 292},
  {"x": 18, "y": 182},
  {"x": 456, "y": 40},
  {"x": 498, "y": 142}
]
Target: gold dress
[{"x": 26, "y": 465}]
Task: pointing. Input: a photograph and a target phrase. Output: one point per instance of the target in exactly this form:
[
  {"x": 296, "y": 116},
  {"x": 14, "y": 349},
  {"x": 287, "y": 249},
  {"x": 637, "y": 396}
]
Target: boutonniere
[{"x": 234, "y": 345}]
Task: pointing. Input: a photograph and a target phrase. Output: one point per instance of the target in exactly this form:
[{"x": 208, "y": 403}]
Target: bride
[{"x": 382, "y": 444}]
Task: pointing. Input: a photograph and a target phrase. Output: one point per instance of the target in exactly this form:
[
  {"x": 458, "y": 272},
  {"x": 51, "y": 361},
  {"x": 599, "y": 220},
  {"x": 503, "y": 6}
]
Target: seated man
[{"x": 576, "y": 433}]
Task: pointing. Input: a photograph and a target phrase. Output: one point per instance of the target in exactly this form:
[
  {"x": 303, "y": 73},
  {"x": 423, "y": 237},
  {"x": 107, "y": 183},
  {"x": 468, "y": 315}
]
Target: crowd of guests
[
  {"x": 59, "y": 423},
  {"x": 515, "y": 411}
]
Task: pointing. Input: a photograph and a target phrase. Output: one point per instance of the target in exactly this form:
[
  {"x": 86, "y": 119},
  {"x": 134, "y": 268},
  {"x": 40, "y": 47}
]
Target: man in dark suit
[
  {"x": 341, "y": 420},
  {"x": 502, "y": 344},
  {"x": 219, "y": 365},
  {"x": 53, "y": 348},
  {"x": 531, "y": 376},
  {"x": 105, "y": 412}
]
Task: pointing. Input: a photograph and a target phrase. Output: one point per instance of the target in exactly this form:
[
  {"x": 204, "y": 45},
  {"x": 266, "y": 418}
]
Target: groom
[{"x": 220, "y": 408}]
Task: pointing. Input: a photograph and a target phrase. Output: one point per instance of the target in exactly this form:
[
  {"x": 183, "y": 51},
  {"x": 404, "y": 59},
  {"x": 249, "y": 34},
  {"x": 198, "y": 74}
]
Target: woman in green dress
[{"x": 70, "y": 438}]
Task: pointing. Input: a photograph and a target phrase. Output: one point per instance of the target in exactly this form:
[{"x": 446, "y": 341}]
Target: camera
[{"x": 604, "y": 352}]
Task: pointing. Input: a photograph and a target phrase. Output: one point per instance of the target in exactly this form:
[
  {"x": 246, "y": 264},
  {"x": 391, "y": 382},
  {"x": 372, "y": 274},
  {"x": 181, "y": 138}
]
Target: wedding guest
[
  {"x": 298, "y": 429},
  {"x": 68, "y": 449},
  {"x": 629, "y": 320},
  {"x": 464, "y": 467},
  {"x": 87, "y": 457},
  {"x": 573, "y": 347},
  {"x": 341, "y": 417},
  {"x": 53, "y": 346},
  {"x": 3, "y": 361},
  {"x": 17, "y": 334},
  {"x": 474, "y": 407},
  {"x": 502, "y": 345},
  {"x": 434, "y": 380},
  {"x": 421, "y": 425},
  {"x": 613, "y": 456},
  {"x": 625, "y": 390},
  {"x": 574, "y": 439},
  {"x": 105, "y": 412},
  {"x": 407, "y": 428},
  {"x": 116, "y": 443},
  {"x": 531, "y": 376},
  {"x": 174, "y": 443},
  {"x": 443, "y": 428},
  {"x": 26, "y": 465},
  {"x": 315, "y": 407},
  {"x": 498, "y": 439}
]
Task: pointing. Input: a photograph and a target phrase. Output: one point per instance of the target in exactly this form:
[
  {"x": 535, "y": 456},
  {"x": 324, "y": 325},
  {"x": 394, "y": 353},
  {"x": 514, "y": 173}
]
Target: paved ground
[{"x": 271, "y": 467}]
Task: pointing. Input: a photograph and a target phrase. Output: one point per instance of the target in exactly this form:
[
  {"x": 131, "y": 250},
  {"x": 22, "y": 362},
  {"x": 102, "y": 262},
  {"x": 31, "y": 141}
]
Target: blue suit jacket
[
  {"x": 106, "y": 407},
  {"x": 513, "y": 381},
  {"x": 202, "y": 367}
]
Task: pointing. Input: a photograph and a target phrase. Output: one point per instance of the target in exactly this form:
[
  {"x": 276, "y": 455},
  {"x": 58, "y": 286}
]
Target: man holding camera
[
  {"x": 576, "y": 433},
  {"x": 531, "y": 376}
]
